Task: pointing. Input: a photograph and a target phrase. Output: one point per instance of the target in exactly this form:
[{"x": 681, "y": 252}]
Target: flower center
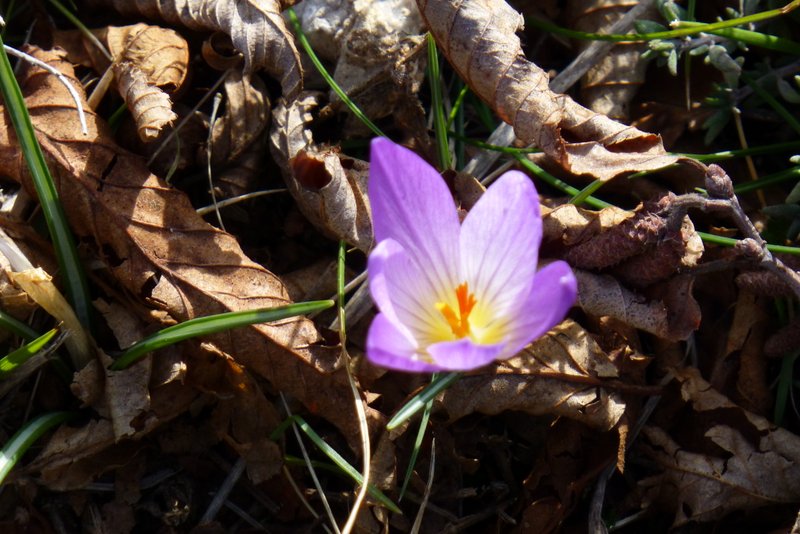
[{"x": 459, "y": 323}]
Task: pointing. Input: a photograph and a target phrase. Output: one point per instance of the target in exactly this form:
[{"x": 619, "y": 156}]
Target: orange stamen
[{"x": 459, "y": 324}]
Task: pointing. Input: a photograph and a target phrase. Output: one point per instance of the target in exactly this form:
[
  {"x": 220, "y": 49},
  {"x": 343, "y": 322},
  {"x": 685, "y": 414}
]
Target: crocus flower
[{"x": 455, "y": 296}]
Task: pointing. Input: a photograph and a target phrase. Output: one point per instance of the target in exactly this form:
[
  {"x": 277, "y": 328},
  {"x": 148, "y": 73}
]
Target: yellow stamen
[{"x": 459, "y": 324}]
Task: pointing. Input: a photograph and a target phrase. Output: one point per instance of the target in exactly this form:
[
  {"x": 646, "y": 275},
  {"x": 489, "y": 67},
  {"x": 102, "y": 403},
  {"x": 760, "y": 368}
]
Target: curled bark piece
[
  {"x": 478, "y": 37},
  {"x": 150, "y": 106}
]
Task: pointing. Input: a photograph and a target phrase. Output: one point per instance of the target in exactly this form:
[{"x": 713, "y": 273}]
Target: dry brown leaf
[
  {"x": 376, "y": 46},
  {"x": 641, "y": 245},
  {"x": 151, "y": 108},
  {"x": 561, "y": 374},
  {"x": 744, "y": 355},
  {"x": 160, "y": 53},
  {"x": 256, "y": 28},
  {"x": 158, "y": 248},
  {"x": 570, "y": 224},
  {"x": 329, "y": 188},
  {"x": 245, "y": 118},
  {"x": 602, "y": 295},
  {"x": 611, "y": 83},
  {"x": 746, "y": 462},
  {"x": 75, "y": 455},
  {"x": 478, "y": 37},
  {"x": 572, "y": 458}
]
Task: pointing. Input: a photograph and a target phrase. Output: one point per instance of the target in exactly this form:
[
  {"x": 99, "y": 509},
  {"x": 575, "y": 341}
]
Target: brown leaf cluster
[
  {"x": 147, "y": 62},
  {"x": 255, "y": 27},
  {"x": 479, "y": 38},
  {"x": 629, "y": 407},
  {"x": 158, "y": 248}
]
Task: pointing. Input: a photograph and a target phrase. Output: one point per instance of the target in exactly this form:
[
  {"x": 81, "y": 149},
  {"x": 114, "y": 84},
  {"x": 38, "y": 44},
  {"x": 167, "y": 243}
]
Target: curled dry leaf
[
  {"x": 745, "y": 462},
  {"x": 256, "y": 28},
  {"x": 329, "y": 188},
  {"x": 40, "y": 288},
  {"x": 158, "y": 248},
  {"x": 161, "y": 54},
  {"x": 245, "y": 118},
  {"x": 376, "y": 47},
  {"x": 151, "y": 108},
  {"x": 148, "y": 62},
  {"x": 478, "y": 37},
  {"x": 641, "y": 246},
  {"x": 610, "y": 84},
  {"x": 673, "y": 318},
  {"x": 561, "y": 374}
]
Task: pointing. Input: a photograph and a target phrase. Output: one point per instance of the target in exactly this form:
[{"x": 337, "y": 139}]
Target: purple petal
[
  {"x": 402, "y": 292},
  {"x": 500, "y": 242},
  {"x": 388, "y": 347},
  {"x": 463, "y": 354},
  {"x": 553, "y": 294},
  {"x": 412, "y": 205}
]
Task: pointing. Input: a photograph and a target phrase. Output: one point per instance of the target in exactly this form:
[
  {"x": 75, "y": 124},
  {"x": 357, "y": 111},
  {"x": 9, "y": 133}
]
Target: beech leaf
[
  {"x": 157, "y": 247},
  {"x": 746, "y": 463},
  {"x": 329, "y": 188},
  {"x": 478, "y": 37},
  {"x": 151, "y": 108},
  {"x": 256, "y": 28},
  {"x": 560, "y": 374}
]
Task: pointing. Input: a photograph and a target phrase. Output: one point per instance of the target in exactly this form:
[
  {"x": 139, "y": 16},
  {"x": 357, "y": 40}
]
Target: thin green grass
[
  {"x": 684, "y": 29},
  {"x": 438, "y": 384},
  {"x": 412, "y": 461},
  {"x": 779, "y": 108},
  {"x": 301, "y": 37},
  {"x": 203, "y": 326},
  {"x": 17, "y": 327},
  {"x": 600, "y": 204},
  {"x": 26, "y": 436},
  {"x": 437, "y": 107},
  {"x": 16, "y": 358},
  {"x": 342, "y": 464},
  {"x": 72, "y": 273}
]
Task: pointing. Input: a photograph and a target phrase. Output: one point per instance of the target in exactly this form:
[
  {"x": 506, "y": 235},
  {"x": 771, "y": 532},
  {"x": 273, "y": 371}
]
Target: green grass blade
[
  {"x": 763, "y": 40},
  {"x": 438, "y": 384},
  {"x": 212, "y": 324},
  {"x": 786, "y": 175},
  {"x": 22, "y": 354},
  {"x": 301, "y": 37},
  {"x": 14, "y": 448},
  {"x": 412, "y": 461},
  {"x": 17, "y": 327},
  {"x": 599, "y": 204},
  {"x": 789, "y": 146},
  {"x": 586, "y": 192},
  {"x": 335, "y": 457},
  {"x": 779, "y": 108},
  {"x": 730, "y": 242},
  {"x": 437, "y": 106},
  {"x": 72, "y": 273},
  {"x": 686, "y": 28}
]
